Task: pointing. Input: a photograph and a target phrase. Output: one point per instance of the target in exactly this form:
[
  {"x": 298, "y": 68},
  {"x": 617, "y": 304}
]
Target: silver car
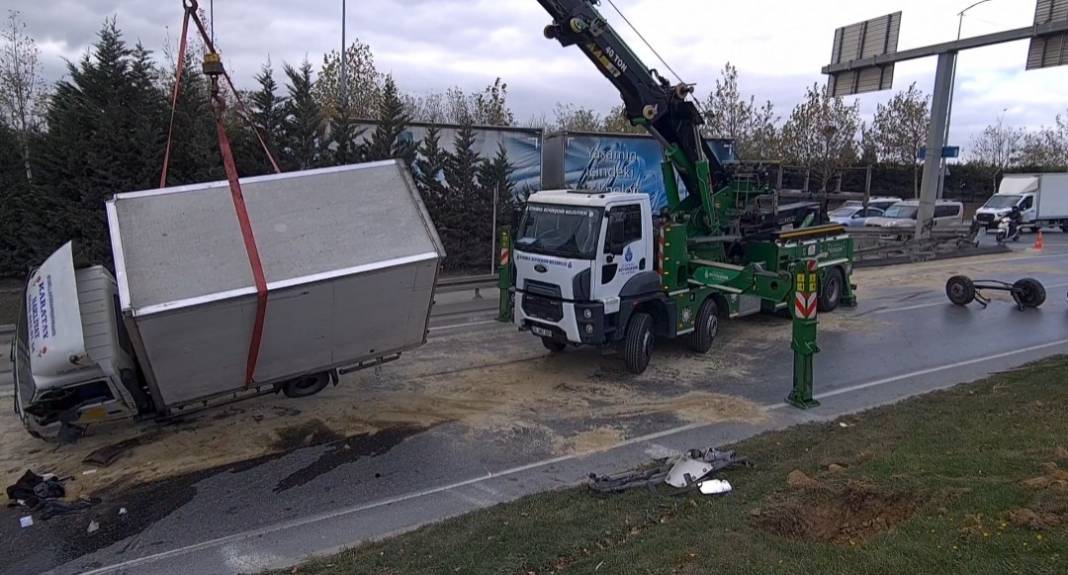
[{"x": 854, "y": 216}]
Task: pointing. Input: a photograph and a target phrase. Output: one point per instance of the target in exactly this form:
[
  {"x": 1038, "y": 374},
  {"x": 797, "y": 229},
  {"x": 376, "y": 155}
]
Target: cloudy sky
[{"x": 779, "y": 46}]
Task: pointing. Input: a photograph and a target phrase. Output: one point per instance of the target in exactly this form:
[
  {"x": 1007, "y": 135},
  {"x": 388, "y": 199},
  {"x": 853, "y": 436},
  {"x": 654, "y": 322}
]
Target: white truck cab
[{"x": 583, "y": 261}]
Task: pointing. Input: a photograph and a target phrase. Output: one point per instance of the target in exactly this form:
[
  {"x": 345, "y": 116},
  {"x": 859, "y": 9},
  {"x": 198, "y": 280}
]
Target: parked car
[
  {"x": 903, "y": 214},
  {"x": 878, "y": 202},
  {"x": 854, "y": 216}
]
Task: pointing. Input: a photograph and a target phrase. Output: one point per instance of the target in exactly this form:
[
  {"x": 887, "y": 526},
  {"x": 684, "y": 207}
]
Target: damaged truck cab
[{"x": 72, "y": 357}]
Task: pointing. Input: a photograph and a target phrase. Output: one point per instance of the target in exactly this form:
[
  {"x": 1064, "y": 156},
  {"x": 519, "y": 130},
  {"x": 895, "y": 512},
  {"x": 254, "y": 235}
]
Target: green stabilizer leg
[
  {"x": 805, "y": 348},
  {"x": 504, "y": 279},
  {"x": 805, "y": 334}
]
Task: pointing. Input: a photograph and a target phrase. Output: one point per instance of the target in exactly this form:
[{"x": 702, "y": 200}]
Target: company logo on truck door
[{"x": 542, "y": 260}]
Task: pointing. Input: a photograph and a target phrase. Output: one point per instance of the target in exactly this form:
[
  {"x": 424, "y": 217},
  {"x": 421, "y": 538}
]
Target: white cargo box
[{"x": 350, "y": 258}]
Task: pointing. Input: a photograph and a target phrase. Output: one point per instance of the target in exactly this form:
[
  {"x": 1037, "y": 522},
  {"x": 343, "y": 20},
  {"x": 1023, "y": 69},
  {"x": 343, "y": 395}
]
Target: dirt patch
[
  {"x": 847, "y": 514},
  {"x": 1049, "y": 503}
]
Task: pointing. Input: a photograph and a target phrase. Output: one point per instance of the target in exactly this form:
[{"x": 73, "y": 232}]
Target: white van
[{"x": 903, "y": 214}]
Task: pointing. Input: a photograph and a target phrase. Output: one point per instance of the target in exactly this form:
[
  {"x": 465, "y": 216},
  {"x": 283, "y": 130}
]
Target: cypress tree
[
  {"x": 387, "y": 140},
  {"x": 194, "y": 149},
  {"x": 343, "y": 135},
  {"x": 106, "y": 129},
  {"x": 428, "y": 168},
  {"x": 304, "y": 120},
  {"x": 268, "y": 110},
  {"x": 458, "y": 214}
]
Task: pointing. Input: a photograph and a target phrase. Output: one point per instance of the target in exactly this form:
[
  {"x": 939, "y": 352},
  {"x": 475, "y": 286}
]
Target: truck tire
[
  {"x": 553, "y": 345},
  {"x": 960, "y": 290},
  {"x": 1031, "y": 292},
  {"x": 307, "y": 385},
  {"x": 831, "y": 290},
  {"x": 638, "y": 343},
  {"x": 705, "y": 327}
]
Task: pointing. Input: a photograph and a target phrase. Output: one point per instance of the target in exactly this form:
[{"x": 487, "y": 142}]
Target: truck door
[
  {"x": 625, "y": 252},
  {"x": 1028, "y": 213}
]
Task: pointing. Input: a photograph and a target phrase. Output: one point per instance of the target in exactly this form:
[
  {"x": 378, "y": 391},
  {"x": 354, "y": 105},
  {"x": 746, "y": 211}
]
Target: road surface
[{"x": 500, "y": 436}]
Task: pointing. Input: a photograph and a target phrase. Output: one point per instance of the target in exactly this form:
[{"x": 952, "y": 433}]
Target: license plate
[{"x": 541, "y": 331}]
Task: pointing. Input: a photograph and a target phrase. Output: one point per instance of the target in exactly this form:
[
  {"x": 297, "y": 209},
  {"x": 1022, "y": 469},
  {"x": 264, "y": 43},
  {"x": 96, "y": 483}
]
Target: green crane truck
[{"x": 597, "y": 268}]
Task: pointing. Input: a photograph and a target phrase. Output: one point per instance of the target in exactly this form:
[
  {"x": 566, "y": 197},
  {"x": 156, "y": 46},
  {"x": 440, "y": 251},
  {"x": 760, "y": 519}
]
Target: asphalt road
[{"x": 904, "y": 338}]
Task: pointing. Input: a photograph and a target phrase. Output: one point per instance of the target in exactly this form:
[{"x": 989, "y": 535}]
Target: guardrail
[
  {"x": 464, "y": 283},
  {"x": 879, "y": 242}
]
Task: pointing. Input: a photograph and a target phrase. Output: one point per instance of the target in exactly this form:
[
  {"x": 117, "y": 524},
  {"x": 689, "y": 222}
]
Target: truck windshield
[
  {"x": 563, "y": 231},
  {"x": 902, "y": 212},
  {"x": 1001, "y": 201}
]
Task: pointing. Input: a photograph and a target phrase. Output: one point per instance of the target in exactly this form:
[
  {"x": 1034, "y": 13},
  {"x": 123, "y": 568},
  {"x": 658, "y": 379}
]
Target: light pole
[
  {"x": 952, "y": 90},
  {"x": 344, "y": 80}
]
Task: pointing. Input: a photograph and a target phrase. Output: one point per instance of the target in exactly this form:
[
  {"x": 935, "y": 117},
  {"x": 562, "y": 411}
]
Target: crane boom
[{"x": 649, "y": 99}]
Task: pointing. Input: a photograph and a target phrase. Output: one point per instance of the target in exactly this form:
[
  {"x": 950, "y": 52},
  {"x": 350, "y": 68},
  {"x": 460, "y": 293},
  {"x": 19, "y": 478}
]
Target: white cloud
[{"x": 779, "y": 46}]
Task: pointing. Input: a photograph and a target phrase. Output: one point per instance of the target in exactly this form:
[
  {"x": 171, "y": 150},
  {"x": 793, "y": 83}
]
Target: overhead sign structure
[
  {"x": 868, "y": 39},
  {"x": 1051, "y": 50},
  {"x": 860, "y": 64}
]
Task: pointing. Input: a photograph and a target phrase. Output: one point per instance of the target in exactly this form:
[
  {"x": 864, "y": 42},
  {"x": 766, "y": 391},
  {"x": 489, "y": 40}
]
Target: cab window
[
  {"x": 946, "y": 211},
  {"x": 624, "y": 228},
  {"x": 1027, "y": 203}
]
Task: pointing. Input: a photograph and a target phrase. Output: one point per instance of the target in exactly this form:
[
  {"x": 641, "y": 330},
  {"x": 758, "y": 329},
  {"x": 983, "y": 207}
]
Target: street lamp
[{"x": 952, "y": 91}]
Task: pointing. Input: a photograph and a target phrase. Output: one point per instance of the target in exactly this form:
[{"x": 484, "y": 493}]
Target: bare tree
[
  {"x": 1048, "y": 147},
  {"x": 488, "y": 107},
  {"x": 572, "y": 118},
  {"x": 820, "y": 134},
  {"x": 997, "y": 145},
  {"x": 900, "y": 129},
  {"x": 363, "y": 83},
  {"x": 729, "y": 114},
  {"x": 22, "y": 88},
  {"x": 617, "y": 122}
]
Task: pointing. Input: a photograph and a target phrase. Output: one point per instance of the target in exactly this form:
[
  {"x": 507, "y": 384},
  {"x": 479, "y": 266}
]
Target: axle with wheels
[{"x": 1027, "y": 292}]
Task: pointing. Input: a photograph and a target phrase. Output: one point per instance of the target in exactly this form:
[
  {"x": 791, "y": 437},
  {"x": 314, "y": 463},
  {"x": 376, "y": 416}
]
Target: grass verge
[{"x": 969, "y": 480}]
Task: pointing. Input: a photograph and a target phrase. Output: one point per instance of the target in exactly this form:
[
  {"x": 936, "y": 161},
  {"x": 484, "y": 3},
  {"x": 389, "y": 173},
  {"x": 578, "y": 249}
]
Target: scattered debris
[
  {"x": 93, "y": 527},
  {"x": 714, "y": 487},
  {"x": 89, "y": 472},
  {"x": 43, "y": 494},
  {"x": 26, "y": 521},
  {"x": 843, "y": 424},
  {"x": 122, "y": 511},
  {"x": 683, "y": 472}
]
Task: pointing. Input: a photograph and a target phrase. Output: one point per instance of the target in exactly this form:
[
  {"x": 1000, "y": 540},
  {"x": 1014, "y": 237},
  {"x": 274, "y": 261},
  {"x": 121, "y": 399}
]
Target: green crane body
[{"x": 704, "y": 246}]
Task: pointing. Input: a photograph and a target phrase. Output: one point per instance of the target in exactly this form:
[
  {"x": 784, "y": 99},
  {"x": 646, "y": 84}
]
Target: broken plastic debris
[
  {"x": 122, "y": 511},
  {"x": 715, "y": 486},
  {"x": 686, "y": 471},
  {"x": 89, "y": 472},
  {"x": 26, "y": 521},
  {"x": 843, "y": 424},
  {"x": 93, "y": 526}
]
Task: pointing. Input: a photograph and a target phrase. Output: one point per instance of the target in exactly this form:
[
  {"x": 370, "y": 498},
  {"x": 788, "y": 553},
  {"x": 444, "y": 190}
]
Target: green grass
[{"x": 930, "y": 485}]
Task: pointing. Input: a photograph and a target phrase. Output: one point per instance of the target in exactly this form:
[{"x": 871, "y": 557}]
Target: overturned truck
[{"x": 349, "y": 260}]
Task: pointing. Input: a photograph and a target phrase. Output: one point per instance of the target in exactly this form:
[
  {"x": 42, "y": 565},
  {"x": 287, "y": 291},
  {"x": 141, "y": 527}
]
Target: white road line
[
  {"x": 459, "y": 325},
  {"x": 929, "y": 371},
  {"x": 938, "y": 303},
  {"x": 295, "y": 523}
]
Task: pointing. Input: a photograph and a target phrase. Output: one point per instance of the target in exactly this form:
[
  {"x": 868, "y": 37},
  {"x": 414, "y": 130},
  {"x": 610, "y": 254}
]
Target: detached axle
[{"x": 1027, "y": 292}]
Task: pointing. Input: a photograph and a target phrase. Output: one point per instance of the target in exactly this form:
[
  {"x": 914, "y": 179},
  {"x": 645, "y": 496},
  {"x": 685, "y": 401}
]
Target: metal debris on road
[
  {"x": 683, "y": 473},
  {"x": 26, "y": 521}
]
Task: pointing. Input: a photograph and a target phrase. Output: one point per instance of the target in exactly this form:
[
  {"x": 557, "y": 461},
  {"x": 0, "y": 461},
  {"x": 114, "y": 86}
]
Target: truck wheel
[
  {"x": 306, "y": 386},
  {"x": 705, "y": 327},
  {"x": 1029, "y": 292},
  {"x": 553, "y": 345},
  {"x": 960, "y": 290},
  {"x": 638, "y": 345},
  {"x": 831, "y": 290}
]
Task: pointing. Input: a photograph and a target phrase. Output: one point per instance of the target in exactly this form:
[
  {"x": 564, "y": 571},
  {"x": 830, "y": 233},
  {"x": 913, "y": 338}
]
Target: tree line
[{"x": 66, "y": 147}]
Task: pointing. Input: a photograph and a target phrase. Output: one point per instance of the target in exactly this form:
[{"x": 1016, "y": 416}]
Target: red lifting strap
[{"x": 218, "y": 106}]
